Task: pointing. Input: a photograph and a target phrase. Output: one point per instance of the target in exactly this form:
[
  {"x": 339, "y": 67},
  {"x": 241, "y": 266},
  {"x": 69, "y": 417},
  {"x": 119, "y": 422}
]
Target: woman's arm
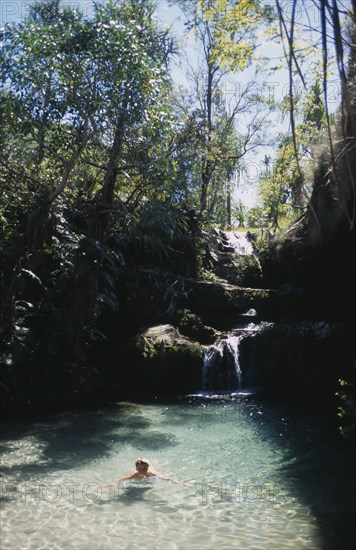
[
  {"x": 123, "y": 478},
  {"x": 174, "y": 481}
]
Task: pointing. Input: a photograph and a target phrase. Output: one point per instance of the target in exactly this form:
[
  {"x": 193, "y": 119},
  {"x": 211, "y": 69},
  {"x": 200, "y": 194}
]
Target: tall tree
[
  {"x": 331, "y": 41},
  {"x": 226, "y": 36},
  {"x": 70, "y": 81},
  {"x": 76, "y": 95}
]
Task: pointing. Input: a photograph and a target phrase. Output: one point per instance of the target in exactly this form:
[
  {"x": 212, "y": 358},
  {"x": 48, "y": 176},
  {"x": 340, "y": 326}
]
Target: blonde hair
[{"x": 142, "y": 461}]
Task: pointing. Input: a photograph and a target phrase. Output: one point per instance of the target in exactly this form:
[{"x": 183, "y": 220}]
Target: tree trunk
[
  {"x": 228, "y": 203},
  {"x": 115, "y": 152},
  {"x": 205, "y": 180},
  {"x": 207, "y": 163}
]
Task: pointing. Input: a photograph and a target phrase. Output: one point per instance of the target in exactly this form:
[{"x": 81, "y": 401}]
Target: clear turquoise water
[{"x": 263, "y": 476}]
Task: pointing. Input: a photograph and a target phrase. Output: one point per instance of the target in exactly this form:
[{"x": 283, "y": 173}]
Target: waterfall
[
  {"x": 224, "y": 369},
  {"x": 221, "y": 367},
  {"x": 239, "y": 243}
]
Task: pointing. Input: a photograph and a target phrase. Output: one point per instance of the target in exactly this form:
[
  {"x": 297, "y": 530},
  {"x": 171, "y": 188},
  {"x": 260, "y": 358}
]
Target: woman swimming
[{"x": 143, "y": 471}]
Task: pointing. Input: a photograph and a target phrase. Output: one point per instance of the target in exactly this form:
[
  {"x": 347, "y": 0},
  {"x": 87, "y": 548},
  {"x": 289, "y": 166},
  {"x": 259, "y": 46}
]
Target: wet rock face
[
  {"x": 304, "y": 359},
  {"x": 231, "y": 259}
]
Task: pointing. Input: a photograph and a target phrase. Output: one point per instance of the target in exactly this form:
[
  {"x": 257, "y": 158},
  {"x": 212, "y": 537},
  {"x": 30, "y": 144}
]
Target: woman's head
[{"x": 142, "y": 465}]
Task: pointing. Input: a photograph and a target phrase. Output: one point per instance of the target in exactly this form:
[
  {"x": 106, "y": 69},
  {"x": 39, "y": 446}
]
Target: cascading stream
[
  {"x": 239, "y": 242},
  {"x": 221, "y": 367}
]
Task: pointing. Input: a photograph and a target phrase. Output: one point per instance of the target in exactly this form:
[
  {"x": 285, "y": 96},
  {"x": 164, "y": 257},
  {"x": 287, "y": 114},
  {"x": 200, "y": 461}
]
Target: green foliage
[
  {"x": 232, "y": 44},
  {"x": 150, "y": 348},
  {"x": 256, "y": 217},
  {"x": 286, "y": 185},
  {"x": 191, "y": 325},
  {"x": 208, "y": 275},
  {"x": 71, "y": 83},
  {"x": 86, "y": 178},
  {"x": 347, "y": 409}
]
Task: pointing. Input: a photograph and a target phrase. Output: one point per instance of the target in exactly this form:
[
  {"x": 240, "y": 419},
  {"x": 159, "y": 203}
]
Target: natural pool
[{"x": 264, "y": 476}]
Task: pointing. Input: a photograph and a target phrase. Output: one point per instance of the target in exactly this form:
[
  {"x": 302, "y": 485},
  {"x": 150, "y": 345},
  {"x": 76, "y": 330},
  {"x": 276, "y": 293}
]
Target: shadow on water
[
  {"x": 69, "y": 440},
  {"x": 319, "y": 469},
  {"x": 322, "y": 476},
  {"x": 132, "y": 493}
]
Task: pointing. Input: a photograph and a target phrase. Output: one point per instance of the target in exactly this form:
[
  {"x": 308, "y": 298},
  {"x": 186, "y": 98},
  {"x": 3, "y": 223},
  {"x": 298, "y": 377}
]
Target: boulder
[{"x": 167, "y": 363}]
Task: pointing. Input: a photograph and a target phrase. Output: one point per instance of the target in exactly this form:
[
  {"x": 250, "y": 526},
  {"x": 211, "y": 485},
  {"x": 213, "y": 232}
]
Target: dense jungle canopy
[{"x": 111, "y": 170}]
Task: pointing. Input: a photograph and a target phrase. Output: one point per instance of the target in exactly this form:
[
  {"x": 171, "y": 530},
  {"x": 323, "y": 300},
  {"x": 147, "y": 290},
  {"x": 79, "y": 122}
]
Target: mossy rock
[
  {"x": 192, "y": 326},
  {"x": 218, "y": 296},
  {"x": 167, "y": 363}
]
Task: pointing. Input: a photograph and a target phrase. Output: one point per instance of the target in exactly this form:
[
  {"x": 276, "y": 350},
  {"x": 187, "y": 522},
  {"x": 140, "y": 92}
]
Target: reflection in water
[
  {"x": 127, "y": 493},
  {"x": 262, "y": 475}
]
